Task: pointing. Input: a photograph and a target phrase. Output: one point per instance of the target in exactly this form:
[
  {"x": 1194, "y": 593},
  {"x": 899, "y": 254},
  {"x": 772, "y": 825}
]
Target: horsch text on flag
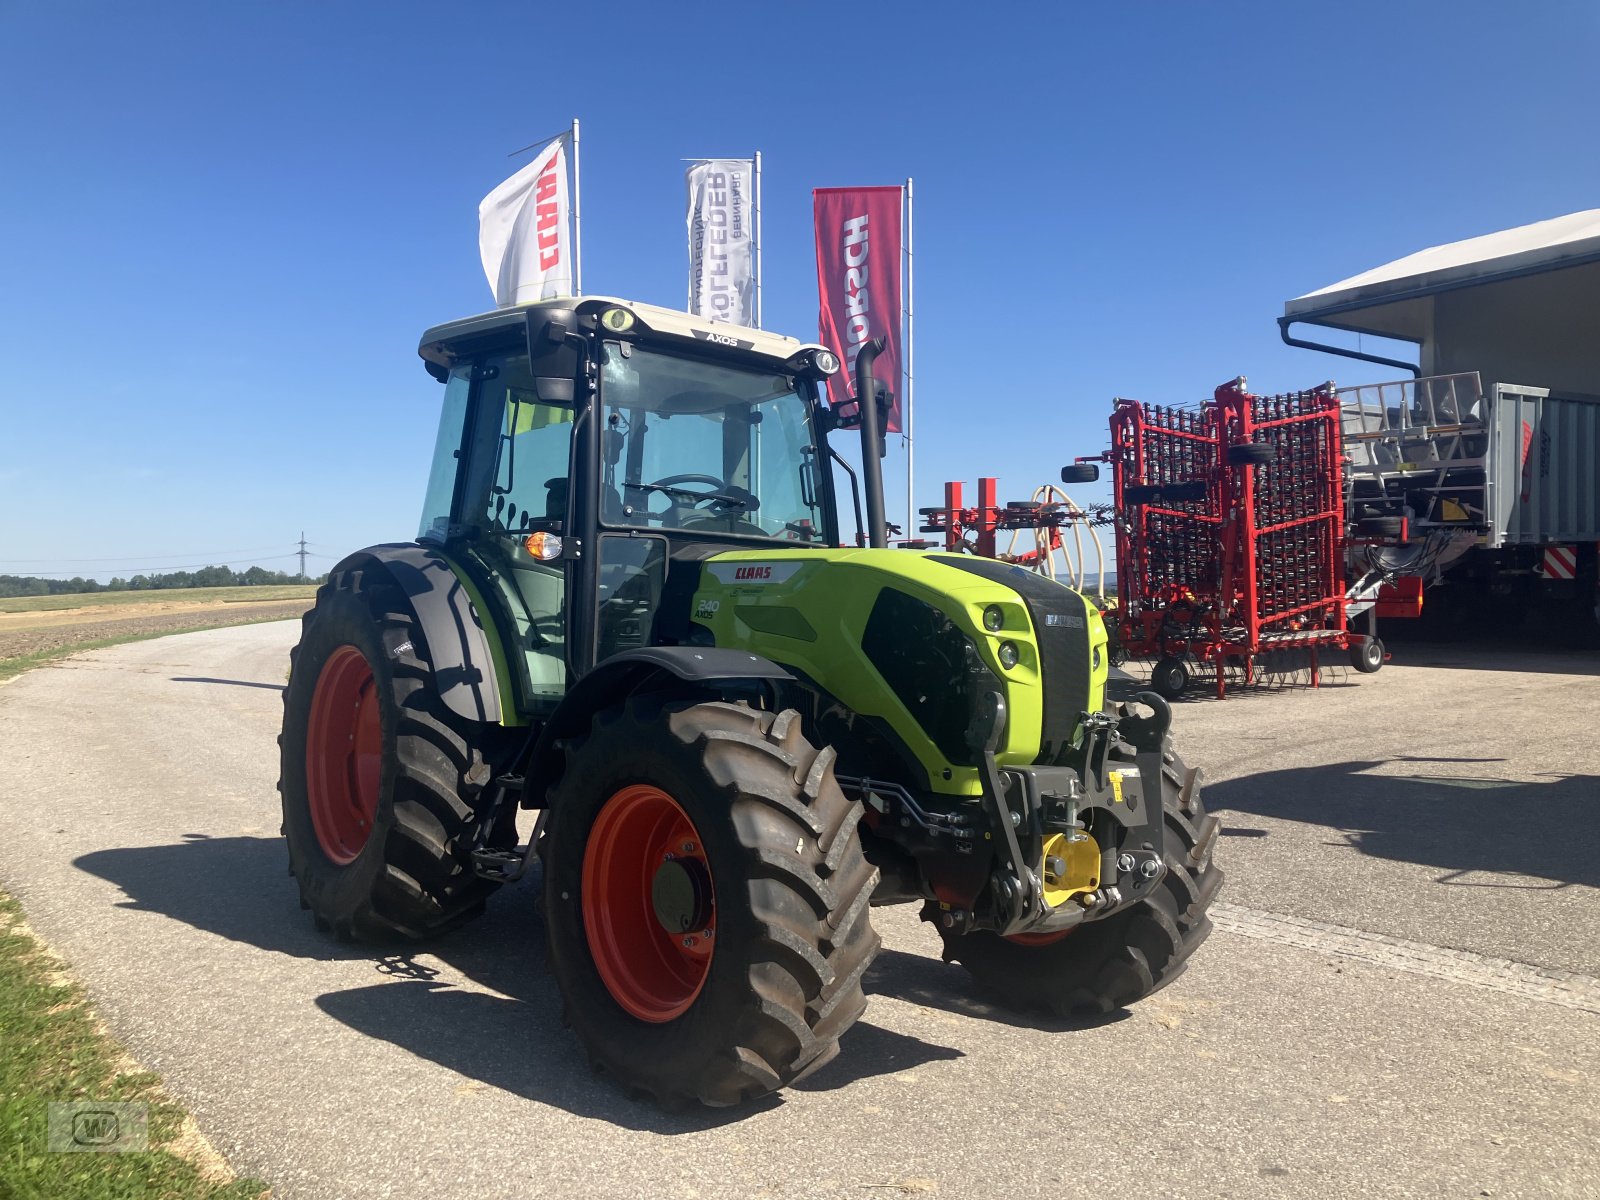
[{"x": 859, "y": 252}]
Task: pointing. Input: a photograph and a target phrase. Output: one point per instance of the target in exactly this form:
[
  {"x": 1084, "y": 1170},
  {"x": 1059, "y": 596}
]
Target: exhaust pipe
[{"x": 871, "y": 443}]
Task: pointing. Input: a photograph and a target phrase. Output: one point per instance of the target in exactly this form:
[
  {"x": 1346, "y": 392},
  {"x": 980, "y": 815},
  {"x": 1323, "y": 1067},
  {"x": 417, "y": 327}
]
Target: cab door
[{"x": 516, "y": 487}]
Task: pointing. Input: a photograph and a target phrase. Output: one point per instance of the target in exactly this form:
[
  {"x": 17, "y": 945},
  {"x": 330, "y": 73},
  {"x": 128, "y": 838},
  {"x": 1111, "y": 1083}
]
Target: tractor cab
[{"x": 601, "y": 447}]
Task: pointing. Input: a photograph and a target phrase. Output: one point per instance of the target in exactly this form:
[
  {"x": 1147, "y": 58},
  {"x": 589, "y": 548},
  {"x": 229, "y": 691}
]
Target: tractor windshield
[{"x": 699, "y": 446}]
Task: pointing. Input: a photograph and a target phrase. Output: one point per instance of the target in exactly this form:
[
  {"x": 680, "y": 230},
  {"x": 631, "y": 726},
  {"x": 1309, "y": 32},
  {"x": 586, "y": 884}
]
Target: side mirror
[
  {"x": 554, "y": 325},
  {"x": 552, "y": 360},
  {"x": 555, "y": 389}
]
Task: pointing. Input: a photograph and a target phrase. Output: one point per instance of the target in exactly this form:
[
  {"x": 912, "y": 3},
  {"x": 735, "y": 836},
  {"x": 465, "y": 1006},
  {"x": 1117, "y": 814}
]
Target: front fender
[{"x": 632, "y": 671}]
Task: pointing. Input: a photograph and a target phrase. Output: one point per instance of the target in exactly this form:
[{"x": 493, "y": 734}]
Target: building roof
[{"x": 1392, "y": 300}]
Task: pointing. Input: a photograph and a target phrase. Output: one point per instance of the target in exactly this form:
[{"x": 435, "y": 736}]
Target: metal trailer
[
  {"x": 1232, "y": 537},
  {"x": 1489, "y": 450}
]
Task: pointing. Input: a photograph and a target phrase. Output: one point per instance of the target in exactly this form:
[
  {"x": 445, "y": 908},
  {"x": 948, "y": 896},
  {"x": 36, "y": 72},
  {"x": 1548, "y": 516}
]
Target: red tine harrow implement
[{"x": 1231, "y": 543}]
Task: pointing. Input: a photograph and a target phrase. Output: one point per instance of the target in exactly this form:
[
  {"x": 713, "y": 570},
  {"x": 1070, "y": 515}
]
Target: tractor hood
[{"x": 914, "y": 640}]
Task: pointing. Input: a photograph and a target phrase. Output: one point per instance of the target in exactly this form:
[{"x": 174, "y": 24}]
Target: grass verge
[
  {"x": 52, "y": 1047},
  {"x": 12, "y": 667}
]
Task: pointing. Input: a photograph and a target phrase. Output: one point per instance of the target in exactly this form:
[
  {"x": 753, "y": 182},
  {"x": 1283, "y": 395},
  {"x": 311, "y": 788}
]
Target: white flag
[
  {"x": 523, "y": 231},
  {"x": 721, "y": 238}
]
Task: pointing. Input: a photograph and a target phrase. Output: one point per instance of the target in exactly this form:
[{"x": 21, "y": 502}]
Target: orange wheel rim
[
  {"x": 344, "y": 755},
  {"x": 1039, "y": 939},
  {"x": 649, "y": 907}
]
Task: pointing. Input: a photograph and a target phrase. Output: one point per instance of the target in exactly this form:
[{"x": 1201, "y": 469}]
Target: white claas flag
[
  {"x": 721, "y": 262},
  {"x": 523, "y": 231}
]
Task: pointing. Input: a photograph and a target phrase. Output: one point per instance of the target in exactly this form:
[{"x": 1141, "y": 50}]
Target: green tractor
[{"x": 629, "y": 609}]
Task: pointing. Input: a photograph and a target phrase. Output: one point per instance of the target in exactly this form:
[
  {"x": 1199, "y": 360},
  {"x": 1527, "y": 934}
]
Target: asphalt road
[{"x": 1400, "y": 998}]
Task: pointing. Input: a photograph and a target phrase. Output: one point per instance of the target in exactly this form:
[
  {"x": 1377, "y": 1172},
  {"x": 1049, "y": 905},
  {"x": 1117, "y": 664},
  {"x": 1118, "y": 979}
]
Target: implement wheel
[
  {"x": 380, "y": 782},
  {"x": 706, "y": 900},
  {"x": 1106, "y": 965},
  {"x": 1366, "y": 655},
  {"x": 1169, "y": 678}
]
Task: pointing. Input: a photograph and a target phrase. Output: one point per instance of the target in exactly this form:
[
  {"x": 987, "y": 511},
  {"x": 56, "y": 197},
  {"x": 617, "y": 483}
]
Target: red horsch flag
[{"x": 859, "y": 252}]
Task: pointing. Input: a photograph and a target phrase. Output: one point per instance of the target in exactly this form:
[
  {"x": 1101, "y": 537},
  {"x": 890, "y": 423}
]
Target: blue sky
[{"x": 223, "y": 226}]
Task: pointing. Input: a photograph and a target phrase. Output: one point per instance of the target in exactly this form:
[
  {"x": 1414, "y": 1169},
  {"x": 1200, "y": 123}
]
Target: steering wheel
[
  {"x": 689, "y": 510},
  {"x": 720, "y": 485}
]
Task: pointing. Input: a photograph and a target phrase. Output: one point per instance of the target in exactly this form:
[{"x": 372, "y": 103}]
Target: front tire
[
  {"x": 1105, "y": 965},
  {"x": 378, "y": 779},
  {"x": 706, "y": 900}
]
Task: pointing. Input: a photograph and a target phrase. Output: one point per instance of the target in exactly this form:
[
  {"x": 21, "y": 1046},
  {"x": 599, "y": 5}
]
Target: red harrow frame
[{"x": 1231, "y": 536}]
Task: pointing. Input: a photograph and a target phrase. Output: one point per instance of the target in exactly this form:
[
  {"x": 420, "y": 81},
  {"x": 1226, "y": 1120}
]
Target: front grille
[
  {"x": 932, "y": 668},
  {"x": 1061, "y": 623}
]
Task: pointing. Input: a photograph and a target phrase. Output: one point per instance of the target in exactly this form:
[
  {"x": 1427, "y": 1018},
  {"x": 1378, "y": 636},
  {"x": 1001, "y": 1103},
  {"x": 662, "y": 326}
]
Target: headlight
[
  {"x": 825, "y": 361},
  {"x": 993, "y": 619},
  {"x": 1008, "y": 655},
  {"x": 617, "y": 320}
]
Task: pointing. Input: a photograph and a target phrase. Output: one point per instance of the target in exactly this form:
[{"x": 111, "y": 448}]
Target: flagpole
[
  {"x": 577, "y": 216},
  {"x": 758, "y": 238},
  {"x": 911, "y": 509}
]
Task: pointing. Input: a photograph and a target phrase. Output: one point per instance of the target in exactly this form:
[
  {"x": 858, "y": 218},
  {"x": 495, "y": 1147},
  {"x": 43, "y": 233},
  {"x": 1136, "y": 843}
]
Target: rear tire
[
  {"x": 409, "y": 871},
  {"x": 779, "y": 879},
  {"x": 1105, "y": 965}
]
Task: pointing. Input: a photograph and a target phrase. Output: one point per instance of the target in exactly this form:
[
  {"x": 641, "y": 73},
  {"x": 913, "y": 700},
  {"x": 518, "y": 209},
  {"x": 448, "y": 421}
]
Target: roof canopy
[{"x": 1395, "y": 300}]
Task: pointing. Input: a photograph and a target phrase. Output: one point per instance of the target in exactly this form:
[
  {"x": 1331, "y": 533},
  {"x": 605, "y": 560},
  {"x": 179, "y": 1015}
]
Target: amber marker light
[{"x": 542, "y": 546}]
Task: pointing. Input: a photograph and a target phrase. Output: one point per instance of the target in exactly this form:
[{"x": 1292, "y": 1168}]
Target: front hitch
[{"x": 1026, "y": 804}]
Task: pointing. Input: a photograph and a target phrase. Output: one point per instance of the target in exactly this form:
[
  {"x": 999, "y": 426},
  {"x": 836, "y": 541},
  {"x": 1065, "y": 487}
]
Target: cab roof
[{"x": 437, "y": 342}]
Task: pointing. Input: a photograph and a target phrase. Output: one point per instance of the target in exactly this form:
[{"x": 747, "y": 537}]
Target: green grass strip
[{"x": 53, "y": 1048}]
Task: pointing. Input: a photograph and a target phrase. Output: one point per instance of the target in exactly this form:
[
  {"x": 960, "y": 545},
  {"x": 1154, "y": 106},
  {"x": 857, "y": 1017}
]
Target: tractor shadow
[
  {"x": 504, "y": 1030},
  {"x": 931, "y": 983},
  {"x": 1467, "y": 829}
]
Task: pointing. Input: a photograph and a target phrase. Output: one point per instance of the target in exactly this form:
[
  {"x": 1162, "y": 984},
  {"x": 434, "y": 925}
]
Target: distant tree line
[{"x": 32, "y": 585}]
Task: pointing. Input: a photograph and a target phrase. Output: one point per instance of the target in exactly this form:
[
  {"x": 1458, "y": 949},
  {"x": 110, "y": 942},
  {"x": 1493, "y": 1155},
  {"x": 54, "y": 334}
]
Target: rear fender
[{"x": 458, "y": 646}]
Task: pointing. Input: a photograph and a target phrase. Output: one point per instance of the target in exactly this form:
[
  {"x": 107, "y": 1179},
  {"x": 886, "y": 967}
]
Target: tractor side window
[
  {"x": 784, "y": 471},
  {"x": 441, "y": 493},
  {"x": 533, "y": 444}
]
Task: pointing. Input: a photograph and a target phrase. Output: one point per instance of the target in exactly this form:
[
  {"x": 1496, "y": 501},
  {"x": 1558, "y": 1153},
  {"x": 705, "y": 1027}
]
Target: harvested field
[
  {"x": 50, "y": 627},
  {"x": 159, "y": 597}
]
